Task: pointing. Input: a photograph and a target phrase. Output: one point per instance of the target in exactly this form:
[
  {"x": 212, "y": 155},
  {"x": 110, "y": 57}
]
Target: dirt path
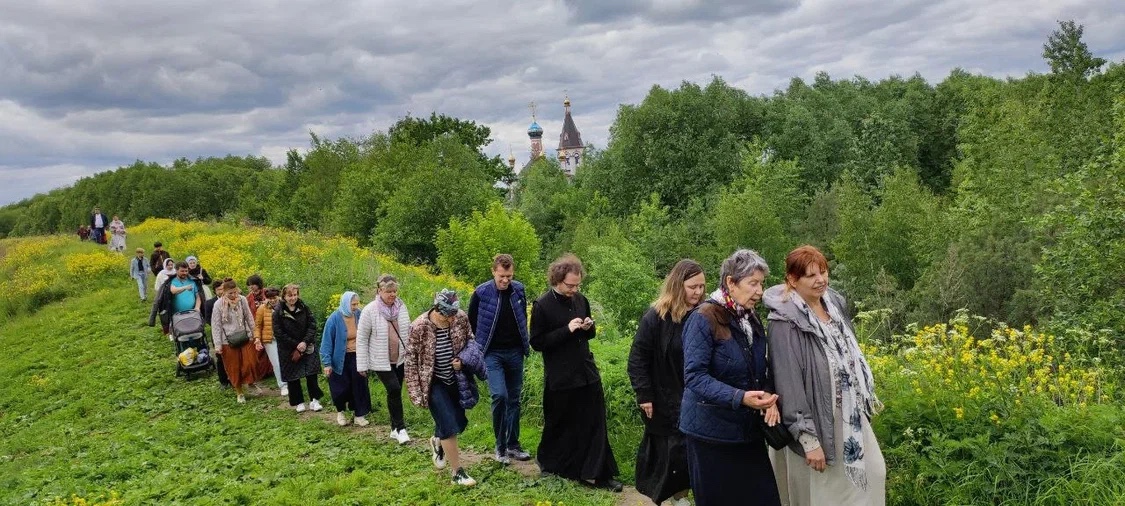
[{"x": 628, "y": 497}]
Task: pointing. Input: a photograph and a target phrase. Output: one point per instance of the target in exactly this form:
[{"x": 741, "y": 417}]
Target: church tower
[
  {"x": 571, "y": 148},
  {"x": 535, "y": 133}
]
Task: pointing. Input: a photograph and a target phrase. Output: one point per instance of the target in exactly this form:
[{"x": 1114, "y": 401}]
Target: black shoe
[
  {"x": 224, "y": 386},
  {"x": 611, "y": 485},
  {"x": 518, "y": 453}
]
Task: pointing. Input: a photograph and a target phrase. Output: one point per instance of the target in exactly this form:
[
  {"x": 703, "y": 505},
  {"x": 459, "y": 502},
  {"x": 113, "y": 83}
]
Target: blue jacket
[
  {"x": 472, "y": 368},
  {"x": 488, "y": 305},
  {"x": 334, "y": 340},
  {"x": 716, "y": 375}
]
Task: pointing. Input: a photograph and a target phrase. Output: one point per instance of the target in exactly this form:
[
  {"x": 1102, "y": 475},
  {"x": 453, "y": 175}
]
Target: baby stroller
[{"x": 190, "y": 341}]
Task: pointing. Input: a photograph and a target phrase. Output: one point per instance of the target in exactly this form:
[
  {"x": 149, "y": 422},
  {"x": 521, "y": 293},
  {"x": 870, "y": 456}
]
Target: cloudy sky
[{"x": 89, "y": 86}]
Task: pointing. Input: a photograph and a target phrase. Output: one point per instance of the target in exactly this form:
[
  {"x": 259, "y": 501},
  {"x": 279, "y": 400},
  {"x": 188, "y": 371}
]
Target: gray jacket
[{"x": 800, "y": 370}]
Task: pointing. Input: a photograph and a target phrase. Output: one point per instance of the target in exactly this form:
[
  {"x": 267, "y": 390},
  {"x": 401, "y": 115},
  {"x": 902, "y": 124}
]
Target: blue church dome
[{"x": 534, "y": 128}]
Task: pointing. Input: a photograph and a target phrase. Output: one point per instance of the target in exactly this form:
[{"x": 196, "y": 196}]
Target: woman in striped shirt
[{"x": 436, "y": 337}]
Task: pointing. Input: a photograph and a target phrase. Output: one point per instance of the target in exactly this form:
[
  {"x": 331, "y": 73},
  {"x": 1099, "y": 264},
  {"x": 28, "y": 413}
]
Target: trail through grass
[{"x": 89, "y": 404}]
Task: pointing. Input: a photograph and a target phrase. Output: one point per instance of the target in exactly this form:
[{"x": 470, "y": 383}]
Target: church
[{"x": 570, "y": 150}]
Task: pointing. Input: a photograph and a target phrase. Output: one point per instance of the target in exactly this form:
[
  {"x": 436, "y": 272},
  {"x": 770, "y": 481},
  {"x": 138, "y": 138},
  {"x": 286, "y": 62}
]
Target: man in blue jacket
[{"x": 498, "y": 315}]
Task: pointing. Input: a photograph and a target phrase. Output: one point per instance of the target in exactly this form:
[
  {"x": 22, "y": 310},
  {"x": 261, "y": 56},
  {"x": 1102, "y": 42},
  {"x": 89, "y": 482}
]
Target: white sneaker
[
  {"x": 501, "y": 457},
  {"x": 361, "y": 421},
  {"x": 285, "y": 391},
  {"x": 437, "y": 454},
  {"x": 401, "y": 436},
  {"x": 683, "y": 501},
  {"x": 315, "y": 405},
  {"x": 462, "y": 478},
  {"x": 170, "y": 338},
  {"x": 241, "y": 399},
  {"x": 341, "y": 420},
  {"x": 301, "y": 408}
]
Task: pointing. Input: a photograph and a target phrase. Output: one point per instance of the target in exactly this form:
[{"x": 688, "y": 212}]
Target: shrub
[
  {"x": 466, "y": 247},
  {"x": 980, "y": 412}
]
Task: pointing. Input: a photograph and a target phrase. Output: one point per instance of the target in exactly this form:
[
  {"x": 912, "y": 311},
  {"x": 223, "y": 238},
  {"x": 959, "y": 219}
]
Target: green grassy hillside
[
  {"x": 976, "y": 412},
  {"x": 90, "y": 405}
]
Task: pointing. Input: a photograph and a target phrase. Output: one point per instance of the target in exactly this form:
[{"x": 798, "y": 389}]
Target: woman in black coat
[
  {"x": 294, "y": 329},
  {"x": 656, "y": 371},
  {"x": 575, "y": 441}
]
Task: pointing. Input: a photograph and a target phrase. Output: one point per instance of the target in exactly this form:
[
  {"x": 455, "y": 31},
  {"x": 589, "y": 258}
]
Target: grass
[{"x": 90, "y": 406}]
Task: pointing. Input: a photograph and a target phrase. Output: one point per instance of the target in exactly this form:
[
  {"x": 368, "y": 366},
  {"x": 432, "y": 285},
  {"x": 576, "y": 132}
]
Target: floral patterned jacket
[{"x": 420, "y": 353}]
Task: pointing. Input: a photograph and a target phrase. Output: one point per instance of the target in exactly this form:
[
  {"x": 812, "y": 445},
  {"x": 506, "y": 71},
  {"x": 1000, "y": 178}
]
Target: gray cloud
[{"x": 86, "y": 88}]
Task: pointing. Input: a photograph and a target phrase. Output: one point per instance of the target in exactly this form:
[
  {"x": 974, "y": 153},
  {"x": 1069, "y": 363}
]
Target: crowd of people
[
  {"x": 97, "y": 228},
  {"x": 735, "y": 411}
]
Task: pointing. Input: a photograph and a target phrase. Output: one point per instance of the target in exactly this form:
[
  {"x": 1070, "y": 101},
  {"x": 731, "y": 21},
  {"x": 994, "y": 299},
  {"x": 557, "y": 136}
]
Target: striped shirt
[{"x": 443, "y": 356}]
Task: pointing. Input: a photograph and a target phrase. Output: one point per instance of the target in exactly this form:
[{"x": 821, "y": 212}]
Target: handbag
[
  {"x": 238, "y": 338},
  {"x": 295, "y": 356},
  {"x": 778, "y": 437}
]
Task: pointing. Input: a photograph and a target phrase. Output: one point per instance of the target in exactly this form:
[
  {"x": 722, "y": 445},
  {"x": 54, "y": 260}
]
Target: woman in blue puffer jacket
[{"x": 728, "y": 391}]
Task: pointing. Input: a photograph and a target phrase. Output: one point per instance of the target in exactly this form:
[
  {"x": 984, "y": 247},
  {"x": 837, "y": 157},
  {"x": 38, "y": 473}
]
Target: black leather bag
[{"x": 778, "y": 437}]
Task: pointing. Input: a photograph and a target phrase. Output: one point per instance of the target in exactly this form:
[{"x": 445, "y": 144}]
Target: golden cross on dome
[{"x": 532, "y": 107}]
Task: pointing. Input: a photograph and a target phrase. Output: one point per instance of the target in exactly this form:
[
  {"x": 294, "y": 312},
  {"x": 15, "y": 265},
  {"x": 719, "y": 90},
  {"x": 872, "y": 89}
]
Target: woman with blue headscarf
[{"x": 337, "y": 354}]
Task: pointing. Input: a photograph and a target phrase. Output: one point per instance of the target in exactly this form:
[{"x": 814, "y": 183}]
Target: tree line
[{"x": 1000, "y": 196}]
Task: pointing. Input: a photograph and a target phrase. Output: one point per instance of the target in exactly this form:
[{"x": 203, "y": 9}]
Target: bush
[
  {"x": 466, "y": 247},
  {"x": 980, "y": 412},
  {"x": 622, "y": 282}
]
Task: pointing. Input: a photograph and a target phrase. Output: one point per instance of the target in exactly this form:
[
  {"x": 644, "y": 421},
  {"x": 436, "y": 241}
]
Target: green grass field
[{"x": 90, "y": 406}]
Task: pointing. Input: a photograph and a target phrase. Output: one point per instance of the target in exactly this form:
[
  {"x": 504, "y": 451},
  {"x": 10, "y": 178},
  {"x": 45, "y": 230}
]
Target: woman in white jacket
[{"x": 382, "y": 334}]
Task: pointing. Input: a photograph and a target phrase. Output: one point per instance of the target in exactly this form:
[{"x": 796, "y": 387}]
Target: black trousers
[
  {"x": 296, "y": 396},
  {"x": 223, "y": 380},
  {"x": 392, "y": 381},
  {"x": 349, "y": 389}
]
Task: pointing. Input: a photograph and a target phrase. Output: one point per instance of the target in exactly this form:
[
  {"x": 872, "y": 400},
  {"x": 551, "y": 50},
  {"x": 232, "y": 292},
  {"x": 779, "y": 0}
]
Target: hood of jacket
[{"x": 787, "y": 306}]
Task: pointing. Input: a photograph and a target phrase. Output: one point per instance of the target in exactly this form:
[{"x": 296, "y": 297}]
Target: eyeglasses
[{"x": 575, "y": 286}]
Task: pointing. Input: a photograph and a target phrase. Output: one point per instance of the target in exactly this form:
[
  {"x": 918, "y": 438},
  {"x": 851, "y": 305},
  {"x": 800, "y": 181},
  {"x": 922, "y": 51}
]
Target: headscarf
[
  {"x": 447, "y": 303},
  {"x": 198, "y": 270},
  {"x": 345, "y": 308},
  {"x": 742, "y": 314},
  {"x": 169, "y": 271}
]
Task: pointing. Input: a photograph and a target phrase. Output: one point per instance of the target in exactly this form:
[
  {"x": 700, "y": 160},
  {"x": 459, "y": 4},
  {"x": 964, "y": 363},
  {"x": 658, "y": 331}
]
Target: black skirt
[
  {"x": 737, "y": 474},
  {"x": 575, "y": 442},
  {"x": 662, "y": 468}
]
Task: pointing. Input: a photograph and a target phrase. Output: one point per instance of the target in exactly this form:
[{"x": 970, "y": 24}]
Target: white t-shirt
[{"x": 98, "y": 223}]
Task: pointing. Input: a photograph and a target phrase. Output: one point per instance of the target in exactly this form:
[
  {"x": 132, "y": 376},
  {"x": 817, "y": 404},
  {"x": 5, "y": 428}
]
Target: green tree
[
  {"x": 678, "y": 143},
  {"x": 466, "y": 247},
  {"x": 1079, "y": 275},
  {"x": 621, "y": 281},
  {"x": 419, "y": 131},
  {"x": 541, "y": 196},
  {"x": 1068, "y": 55},
  {"x": 445, "y": 180}
]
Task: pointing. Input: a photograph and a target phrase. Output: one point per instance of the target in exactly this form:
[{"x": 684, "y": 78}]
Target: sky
[{"x": 87, "y": 87}]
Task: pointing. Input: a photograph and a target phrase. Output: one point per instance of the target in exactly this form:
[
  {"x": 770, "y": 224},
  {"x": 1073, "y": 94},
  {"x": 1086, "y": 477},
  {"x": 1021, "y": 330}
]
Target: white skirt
[{"x": 799, "y": 485}]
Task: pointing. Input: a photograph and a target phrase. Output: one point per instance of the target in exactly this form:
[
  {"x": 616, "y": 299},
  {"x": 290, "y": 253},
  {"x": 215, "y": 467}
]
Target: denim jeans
[
  {"x": 141, "y": 281},
  {"x": 505, "y": 383}
]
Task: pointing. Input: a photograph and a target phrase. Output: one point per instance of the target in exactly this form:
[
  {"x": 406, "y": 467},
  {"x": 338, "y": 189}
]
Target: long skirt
[
  {"x": 734, "y": 474},
  {"x": 575, "y": 442},
  {"x": 801, "y": 486},
  {"x": 662, "y": 468},
  {"x": 241, "y": 364},
  {"x": 349, "y": 389}
]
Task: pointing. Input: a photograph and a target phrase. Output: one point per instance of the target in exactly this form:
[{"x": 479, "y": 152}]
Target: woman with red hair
[{"x": 827, "y": 393}]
